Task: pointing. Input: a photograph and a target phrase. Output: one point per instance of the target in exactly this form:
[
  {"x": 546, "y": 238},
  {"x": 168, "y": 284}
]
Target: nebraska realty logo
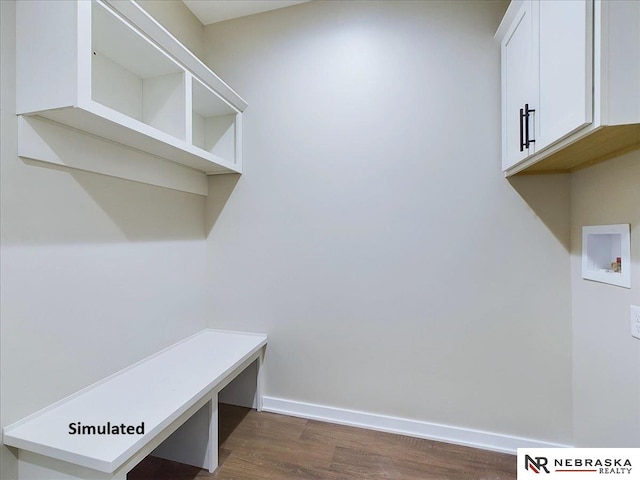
[{"x": 583, "y": 463}]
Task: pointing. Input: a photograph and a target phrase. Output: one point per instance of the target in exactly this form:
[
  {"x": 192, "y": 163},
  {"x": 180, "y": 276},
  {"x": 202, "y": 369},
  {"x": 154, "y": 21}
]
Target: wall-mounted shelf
[
  {"x": 606, "y": 254},
  {"x": 109, "y": 70}
]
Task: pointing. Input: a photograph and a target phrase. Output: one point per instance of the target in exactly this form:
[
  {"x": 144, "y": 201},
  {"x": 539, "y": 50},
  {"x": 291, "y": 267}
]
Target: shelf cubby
[
  {"x": 133, "y": 77},
  {"x": 213, "y": 122}
]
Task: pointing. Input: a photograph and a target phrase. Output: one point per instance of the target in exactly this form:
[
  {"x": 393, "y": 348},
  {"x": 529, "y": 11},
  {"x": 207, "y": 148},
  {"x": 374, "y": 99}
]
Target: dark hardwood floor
[{"x": 265, "y": 446}]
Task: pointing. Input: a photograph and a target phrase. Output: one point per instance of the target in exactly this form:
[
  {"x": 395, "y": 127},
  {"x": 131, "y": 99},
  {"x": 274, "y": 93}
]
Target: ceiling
[{"x": 212, "y": 11}]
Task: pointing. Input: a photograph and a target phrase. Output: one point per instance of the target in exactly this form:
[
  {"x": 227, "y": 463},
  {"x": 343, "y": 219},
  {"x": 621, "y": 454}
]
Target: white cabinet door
[
  {"x": 517, "y": 86},
  {"x": 565, "y": 52}
]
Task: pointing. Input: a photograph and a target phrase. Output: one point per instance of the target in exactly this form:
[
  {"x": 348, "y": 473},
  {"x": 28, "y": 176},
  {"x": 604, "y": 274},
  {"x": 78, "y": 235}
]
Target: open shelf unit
[{"x": 108, "y": 69}]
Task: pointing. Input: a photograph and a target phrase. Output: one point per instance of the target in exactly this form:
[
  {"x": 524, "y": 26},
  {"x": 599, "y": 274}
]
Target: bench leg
[
  {"x": 213, "y": 434},
  {"x": 260, "y": 381},
  {"x": 195, "y": 442}
]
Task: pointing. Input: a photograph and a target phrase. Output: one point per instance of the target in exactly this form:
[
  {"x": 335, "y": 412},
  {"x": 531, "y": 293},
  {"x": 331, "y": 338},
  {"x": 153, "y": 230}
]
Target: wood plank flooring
[{"x": 266, "y": 446}]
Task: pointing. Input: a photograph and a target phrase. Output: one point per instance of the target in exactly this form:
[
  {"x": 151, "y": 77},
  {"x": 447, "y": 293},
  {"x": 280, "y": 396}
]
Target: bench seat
[{"x": 157, "y": 394}]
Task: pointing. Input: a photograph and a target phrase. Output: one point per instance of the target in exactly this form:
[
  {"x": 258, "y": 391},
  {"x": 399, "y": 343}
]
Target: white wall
[
  {"x": 372, "y": 234},
  {"x": 606, "y": 357},
  {"x": 96, "y": 272}
]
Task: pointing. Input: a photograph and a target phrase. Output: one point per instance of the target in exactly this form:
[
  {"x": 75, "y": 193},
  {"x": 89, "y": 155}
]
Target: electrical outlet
[{"x": 635, "y": 321}]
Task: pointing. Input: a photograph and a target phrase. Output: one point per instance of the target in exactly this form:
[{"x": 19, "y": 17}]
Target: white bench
[{"x": 164, "y": 391}]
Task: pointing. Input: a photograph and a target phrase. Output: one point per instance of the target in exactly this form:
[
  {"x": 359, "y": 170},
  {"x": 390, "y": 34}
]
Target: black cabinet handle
[
  {"x": 521, "y": 130},
  {"x": 527, "y": 111},
  {"x": 525, "y": 141}
]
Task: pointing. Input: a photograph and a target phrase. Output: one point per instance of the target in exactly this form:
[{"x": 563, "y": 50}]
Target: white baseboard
[{"x": 402, "y": 426}]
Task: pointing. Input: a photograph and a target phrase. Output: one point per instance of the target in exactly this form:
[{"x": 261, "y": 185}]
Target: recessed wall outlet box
[
  {"x": 606, "y": 254},
  {"x": 635, "y": 321}
]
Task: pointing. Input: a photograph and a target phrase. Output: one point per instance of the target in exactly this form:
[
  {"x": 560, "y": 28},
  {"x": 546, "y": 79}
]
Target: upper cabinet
[
  {"x": 570, "y": 83},
  {"x": 109, "y": 70}
]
